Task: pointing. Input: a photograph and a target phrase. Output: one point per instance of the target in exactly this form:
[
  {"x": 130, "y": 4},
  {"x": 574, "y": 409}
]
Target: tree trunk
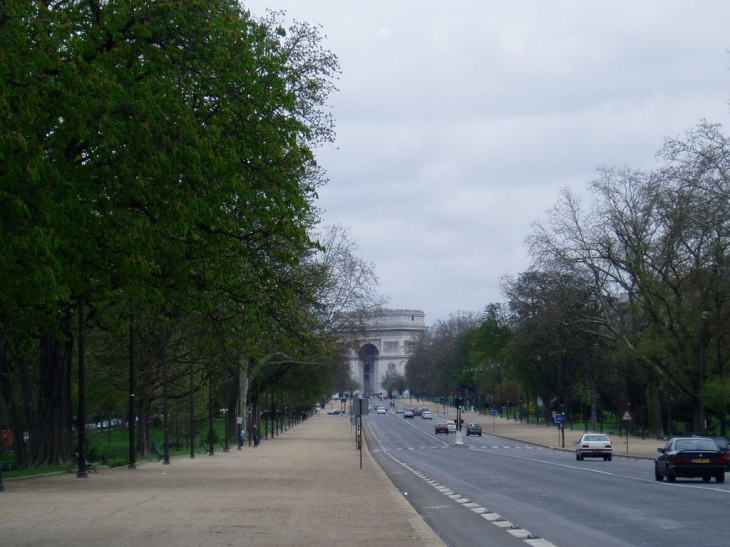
[
  {"x": 52, "y": 438},
  {"x": 243, "y": 384},
  {"x": 654, "y": 411},
  {"x": 594, "y": 404}
]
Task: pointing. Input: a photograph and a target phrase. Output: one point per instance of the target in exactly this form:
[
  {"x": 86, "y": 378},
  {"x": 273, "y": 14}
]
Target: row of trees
[
  {"x": 626, "y": 306},
  {"x": 158, "y": 229}
]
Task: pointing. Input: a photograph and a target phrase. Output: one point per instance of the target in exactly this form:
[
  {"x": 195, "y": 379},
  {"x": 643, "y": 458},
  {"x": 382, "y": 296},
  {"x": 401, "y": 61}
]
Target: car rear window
[
  {"x": 599, "y": 438},
  {"x": 696, "y": 444}
]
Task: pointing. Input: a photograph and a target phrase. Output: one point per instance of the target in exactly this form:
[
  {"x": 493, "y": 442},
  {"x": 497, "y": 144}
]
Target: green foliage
[{"x": 156, "y": 160}]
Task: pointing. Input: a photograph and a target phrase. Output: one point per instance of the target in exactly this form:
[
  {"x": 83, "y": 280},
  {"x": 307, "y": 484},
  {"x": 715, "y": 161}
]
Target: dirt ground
[{"x": 304, "y": 487}]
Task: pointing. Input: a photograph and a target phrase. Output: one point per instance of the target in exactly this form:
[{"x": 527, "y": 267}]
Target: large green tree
[{"x": 154, "y": 151}]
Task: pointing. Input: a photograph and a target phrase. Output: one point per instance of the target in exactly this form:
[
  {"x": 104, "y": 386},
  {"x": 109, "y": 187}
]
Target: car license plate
[
  {"x": 598, "y": 451},
  {"x": 700, "y": 460}
]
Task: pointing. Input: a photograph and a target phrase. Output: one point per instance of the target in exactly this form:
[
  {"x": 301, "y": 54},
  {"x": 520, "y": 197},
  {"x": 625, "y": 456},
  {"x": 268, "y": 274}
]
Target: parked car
[
  {"x": 722, "y": 444},
  {"x": 690, "y": 457},
  {"x": 442, "y": 428},
  {"x": 408, "y": 414},
  {"x": 334, "y": 411},
  {"x": 427, "y": 415},
  {"x": 594, "y": 445},
  {"x": 473, "y": 428},
  {"x": 451, "y": 424}
]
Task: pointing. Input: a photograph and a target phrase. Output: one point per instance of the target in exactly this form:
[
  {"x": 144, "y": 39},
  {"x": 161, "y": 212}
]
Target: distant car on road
[
  {"x": 690, "y": 457},
  {"x": 451, "y": 424},
  {"x": 400, "y": 410},
  {"x": 381, "y": 410},
  {"x": 593, "y": 445},
  {"x": 473, "y": 428},
  {"x": 442, "y": 428},
  {"x": 427, "y": 415},
  {"x": 408, "y": 414}
]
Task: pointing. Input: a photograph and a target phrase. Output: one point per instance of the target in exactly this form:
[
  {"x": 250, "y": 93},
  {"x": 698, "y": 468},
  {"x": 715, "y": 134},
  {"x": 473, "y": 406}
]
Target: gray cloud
[{"x": 459, "y": 122}]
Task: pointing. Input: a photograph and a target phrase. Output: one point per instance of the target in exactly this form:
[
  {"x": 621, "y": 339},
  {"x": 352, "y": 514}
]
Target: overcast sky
[{"x": 458, "y": 122}]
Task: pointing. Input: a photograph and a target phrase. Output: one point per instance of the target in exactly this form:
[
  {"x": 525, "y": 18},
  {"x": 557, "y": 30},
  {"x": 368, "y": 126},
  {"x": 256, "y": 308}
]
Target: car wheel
[
  {"x": 706, "y": 478},
  {"x": 577, "y": 456},
  {"x": 480, "y": 434},
  {"x": 581, "y": 457},
  {"x": 671, "y": 477},
  {"x": 657, "y": 474},
  {"x": 610, "y": 457},
  {"x": 720, "y": 477}
]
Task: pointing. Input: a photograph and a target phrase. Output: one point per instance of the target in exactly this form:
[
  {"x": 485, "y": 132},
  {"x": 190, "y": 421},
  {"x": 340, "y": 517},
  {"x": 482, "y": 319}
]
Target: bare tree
[{"x": 656, "y": 248}]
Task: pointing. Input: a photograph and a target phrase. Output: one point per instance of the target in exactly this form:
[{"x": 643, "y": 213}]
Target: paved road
[{"x": 543, "y": 493}]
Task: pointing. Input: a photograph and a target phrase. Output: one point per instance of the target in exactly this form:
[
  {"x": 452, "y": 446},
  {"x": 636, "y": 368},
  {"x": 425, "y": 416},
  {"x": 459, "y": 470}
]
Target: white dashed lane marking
[{"x": 488, "y": 515}]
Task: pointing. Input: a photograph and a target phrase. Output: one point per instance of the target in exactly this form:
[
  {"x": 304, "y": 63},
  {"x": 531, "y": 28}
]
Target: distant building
[{"x": 386, "y": 342}]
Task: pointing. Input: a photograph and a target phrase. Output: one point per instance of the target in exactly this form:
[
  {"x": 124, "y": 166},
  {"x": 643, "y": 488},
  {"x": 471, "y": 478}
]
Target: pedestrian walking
[
  {"x": 256, "y": 435},
  {"x": 242, "y": 440}
]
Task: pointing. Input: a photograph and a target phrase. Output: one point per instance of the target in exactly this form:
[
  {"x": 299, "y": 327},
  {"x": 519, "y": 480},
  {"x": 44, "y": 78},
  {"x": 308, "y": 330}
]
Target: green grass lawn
[{"x": 111, "y": 447}]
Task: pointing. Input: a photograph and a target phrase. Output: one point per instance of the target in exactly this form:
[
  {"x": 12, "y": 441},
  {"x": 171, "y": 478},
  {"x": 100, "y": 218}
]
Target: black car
[
  {"x": 690, "y": 457},
  {"x": 474, "y": 428}
]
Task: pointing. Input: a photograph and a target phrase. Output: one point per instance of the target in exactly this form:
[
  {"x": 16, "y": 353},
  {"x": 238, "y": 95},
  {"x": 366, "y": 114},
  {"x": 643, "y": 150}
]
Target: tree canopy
[{"x": 155, "y": 156}]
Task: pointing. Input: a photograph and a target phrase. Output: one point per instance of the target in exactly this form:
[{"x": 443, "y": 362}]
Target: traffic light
[{"x": 459, "y": 402}]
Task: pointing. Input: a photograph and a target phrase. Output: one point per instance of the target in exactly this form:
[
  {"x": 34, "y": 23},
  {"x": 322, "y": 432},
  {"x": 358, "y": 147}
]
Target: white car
[
  {"x": 381, "y": 410},
  {"x": 451, "y": 424},
  {"x": 427, "y": 415},
  {"x": 593, "y": 445}
]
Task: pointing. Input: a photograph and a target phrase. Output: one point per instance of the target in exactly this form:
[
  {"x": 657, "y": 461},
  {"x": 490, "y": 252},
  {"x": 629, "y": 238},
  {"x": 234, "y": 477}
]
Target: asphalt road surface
[{"x": 494, "y": 491}]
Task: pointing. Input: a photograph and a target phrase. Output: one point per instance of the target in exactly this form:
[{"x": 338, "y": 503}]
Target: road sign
[
  {"x": 559, "y": 418},
  {"x": 494, "y": 412},
  {"x": 627, "y": 417}
]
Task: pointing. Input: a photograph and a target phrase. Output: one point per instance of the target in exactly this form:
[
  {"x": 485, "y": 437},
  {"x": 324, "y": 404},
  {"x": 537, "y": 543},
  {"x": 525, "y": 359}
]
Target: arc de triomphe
[{"x": 386, "y": 342}]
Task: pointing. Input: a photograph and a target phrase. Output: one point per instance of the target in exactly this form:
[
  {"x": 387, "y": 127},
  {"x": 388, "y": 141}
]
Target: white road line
[{"x": 490, "y": 516}]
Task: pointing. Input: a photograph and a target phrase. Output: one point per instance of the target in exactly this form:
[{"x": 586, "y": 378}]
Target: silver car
[{"x": 593, "y": 445}]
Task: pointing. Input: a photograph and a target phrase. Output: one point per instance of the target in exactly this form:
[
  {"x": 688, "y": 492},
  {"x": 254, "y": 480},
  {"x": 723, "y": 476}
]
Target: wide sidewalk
[
  {"x": 307, "y": 486},
  {"x": 304, "y": 487}
]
